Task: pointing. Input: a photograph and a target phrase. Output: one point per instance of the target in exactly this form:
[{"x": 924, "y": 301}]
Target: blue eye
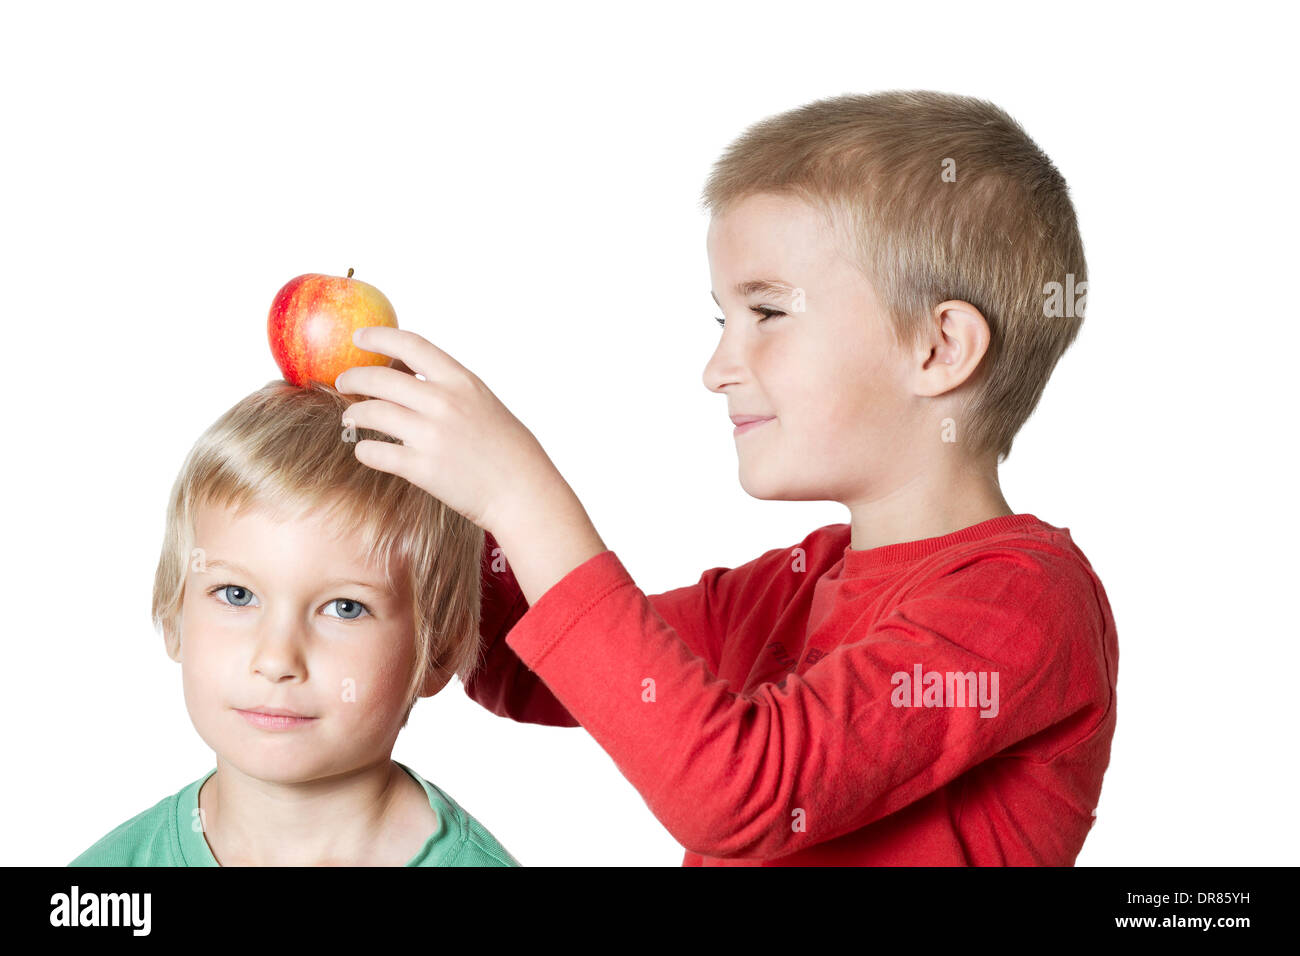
[
  {"x": 356, "y": 605},
  {"x": 233, "y": 587},
  {"x": 762, "y": 310}
]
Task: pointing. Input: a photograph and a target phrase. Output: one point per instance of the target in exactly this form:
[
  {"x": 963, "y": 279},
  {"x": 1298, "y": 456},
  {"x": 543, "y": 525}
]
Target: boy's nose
[
  {"x": 278, "y": 652},
  {"x": 724, "y": 368}
]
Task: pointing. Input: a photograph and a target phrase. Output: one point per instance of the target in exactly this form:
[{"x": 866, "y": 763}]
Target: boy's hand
[{"x": 459, "y": 443}]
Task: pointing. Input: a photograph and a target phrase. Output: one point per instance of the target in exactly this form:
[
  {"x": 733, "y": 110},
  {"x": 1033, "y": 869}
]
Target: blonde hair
[
  {"x": 994, "y": 237},
  {"x": 283, "y": 448}
]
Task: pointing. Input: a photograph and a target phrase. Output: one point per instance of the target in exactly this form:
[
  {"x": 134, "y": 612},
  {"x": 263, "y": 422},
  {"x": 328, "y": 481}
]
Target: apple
[{"x": 311, "y": 324}]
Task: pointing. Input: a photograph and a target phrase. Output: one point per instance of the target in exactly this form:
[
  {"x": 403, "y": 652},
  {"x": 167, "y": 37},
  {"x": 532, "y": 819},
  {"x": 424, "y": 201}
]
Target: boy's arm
[
  {"x": 503, "y": 683},
  {"x": 827, "y": 752}
]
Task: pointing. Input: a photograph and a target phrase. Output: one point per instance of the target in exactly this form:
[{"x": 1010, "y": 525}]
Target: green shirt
[{"x": 168, "y": 834}]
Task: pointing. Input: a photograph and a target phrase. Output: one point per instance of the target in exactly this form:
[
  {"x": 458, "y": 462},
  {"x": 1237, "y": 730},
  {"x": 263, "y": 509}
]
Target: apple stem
[{"x": 349, "y": 272}]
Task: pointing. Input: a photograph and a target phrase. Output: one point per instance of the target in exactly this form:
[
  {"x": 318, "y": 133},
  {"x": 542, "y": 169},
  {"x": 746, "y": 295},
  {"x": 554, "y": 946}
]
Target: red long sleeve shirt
[{"x": 947, "y": 701}]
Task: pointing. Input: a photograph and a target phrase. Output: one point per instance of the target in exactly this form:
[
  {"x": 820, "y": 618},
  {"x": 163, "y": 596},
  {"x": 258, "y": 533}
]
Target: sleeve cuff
[{"x": 567, "y": 602}]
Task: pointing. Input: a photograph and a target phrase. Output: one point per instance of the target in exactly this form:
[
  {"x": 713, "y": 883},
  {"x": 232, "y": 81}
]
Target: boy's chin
[
  {"x": 771, "y": 487},
  {"x": 281, "y": 768}
]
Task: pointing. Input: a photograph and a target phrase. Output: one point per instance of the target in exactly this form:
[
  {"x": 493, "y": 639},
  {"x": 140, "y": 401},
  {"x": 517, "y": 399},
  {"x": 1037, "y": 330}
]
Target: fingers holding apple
[{"x": 457, "y": 441}]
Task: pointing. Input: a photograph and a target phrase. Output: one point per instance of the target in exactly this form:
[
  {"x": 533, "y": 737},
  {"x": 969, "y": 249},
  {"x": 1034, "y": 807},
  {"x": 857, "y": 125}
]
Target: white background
[{"x": 522, "y": 182}]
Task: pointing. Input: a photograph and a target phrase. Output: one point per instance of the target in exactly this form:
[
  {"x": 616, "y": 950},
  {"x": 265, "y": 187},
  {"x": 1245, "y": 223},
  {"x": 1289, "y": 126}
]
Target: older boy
[{"x": 930, "y": 683}]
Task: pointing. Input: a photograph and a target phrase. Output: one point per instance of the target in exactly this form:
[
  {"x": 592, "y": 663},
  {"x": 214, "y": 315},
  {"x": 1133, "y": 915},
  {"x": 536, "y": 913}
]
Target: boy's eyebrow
[
  {"x": 762, "y": 286},
  {"x": 228, "y": 565},
  {"x": 333, "y": 582}
]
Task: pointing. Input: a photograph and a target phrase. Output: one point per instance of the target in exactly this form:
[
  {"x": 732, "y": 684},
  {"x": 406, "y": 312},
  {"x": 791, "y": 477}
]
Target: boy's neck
[
  {"x": 373, "y": 816},
  {"x": 928, "y": 504}
]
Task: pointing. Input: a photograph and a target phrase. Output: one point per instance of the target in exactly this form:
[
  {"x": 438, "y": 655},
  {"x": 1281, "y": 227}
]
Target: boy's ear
[
  {"x": 434, "y": 681},
  {"x": 957, "y": 342},
  {"x": 172, "y": 642}
]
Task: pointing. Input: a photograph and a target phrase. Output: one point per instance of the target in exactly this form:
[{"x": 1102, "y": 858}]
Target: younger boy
[
  {"x": 932, "y": 682},
  {"x": 309, "y": 600}
]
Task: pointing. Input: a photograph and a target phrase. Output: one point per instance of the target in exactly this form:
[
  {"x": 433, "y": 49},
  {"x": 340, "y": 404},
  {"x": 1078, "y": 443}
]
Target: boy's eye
[
  {"x": 354, "y": 608},
  {"x": 762, "y": 310},
  {"x": 243, "y": 599}
]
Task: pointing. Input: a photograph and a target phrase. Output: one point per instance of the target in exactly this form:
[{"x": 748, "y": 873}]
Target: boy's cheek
[
  {"x": 358, "y": 686},
  {"x": 197, "y": 677}
]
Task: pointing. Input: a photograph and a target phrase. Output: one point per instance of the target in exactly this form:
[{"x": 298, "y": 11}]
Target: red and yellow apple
[{"x": 311, "y": 324}]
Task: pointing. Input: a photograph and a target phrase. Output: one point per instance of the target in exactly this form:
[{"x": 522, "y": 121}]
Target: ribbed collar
[{"x": 858, "y": 563}]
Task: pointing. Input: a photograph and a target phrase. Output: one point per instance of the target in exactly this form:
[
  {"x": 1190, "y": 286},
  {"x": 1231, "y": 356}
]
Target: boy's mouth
[
  {"x": 745, "y": 423},
  {"x": 275, "y": 718},
  {"x": 272, "y": 711}
]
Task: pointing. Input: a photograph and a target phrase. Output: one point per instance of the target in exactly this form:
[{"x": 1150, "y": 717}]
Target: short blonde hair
[
  {"x": 995, "y": 236},
  {"x": 284, "y": 448}
]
